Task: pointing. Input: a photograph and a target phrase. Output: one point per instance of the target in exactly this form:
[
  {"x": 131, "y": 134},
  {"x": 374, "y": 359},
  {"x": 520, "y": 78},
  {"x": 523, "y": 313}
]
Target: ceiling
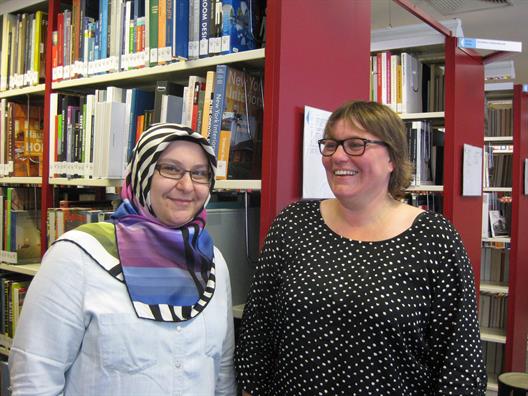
[{"x": 500, "y": 23}]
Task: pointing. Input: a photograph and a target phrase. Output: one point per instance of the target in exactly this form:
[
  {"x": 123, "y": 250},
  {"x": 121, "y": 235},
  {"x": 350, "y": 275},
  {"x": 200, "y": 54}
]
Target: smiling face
[
  {"x": 361, "y": 178},
  {"x": 176, "y": 202}
]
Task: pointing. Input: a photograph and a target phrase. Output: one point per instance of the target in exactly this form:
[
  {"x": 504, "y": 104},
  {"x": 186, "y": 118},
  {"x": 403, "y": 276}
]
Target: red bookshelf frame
[
  {"x": 517, "y": 321},
  {"x": 317, "y": 54}
]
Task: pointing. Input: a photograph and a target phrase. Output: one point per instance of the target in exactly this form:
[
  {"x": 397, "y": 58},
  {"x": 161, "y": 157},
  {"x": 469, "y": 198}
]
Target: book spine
[
  {"x": 153, "y": 32},
  {"x": 182, "y": 29},
  {"x": 205, "y": 12},
  {"x": 218, "y": 105}
]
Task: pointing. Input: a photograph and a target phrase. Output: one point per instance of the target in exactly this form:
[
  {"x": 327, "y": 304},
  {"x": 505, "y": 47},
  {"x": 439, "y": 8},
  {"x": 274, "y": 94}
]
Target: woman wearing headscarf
[{"x": 140, "y": 305}]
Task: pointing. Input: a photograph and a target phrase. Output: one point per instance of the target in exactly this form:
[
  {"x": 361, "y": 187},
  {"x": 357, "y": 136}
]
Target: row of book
[
  {"x": 21, "y": 138},
  {"x": 493, "y": 356},
  {"x": 495, "y": 265},
  {"x": 496, "y": 215},
  {"x": 493, "y": 311},
  {"x": 23, "y": 60},
  {"x": 20, "y": 220},
  {"x": 498, "y": 163},
  {"x": 426, "y": 201},
  {"x": 426, "y": 152},
  {"x": 64, "y": 219},
  {"x": 499, "y": 118},
  {"x": 111, "y": 35},
  {"x": 13, "y": 288},
  {"x": 404, "y": 83},
  {"x": 93, "y": 135}
]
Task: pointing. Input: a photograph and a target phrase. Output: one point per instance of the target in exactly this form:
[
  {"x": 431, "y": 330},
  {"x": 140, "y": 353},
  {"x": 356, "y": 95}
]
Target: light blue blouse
[{"x": 79, "y": 335}]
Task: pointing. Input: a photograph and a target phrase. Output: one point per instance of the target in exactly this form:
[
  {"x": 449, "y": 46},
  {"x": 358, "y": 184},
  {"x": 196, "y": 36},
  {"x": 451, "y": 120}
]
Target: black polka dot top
[{"x": 327, "y": 315}]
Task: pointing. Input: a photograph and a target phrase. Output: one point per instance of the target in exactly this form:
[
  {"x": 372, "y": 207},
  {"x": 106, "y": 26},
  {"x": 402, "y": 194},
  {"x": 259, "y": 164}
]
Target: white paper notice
[
  {"x": 472, "y": 171},
  {"x": 315, "y": 184}
]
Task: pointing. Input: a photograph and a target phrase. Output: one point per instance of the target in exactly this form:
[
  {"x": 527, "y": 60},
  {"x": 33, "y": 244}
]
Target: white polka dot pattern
[{"x": 327, "y": 315}]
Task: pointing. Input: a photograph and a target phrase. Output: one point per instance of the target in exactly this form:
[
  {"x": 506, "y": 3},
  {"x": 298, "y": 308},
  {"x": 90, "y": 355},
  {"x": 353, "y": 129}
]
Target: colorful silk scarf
[{"x": 169, "y": 272}]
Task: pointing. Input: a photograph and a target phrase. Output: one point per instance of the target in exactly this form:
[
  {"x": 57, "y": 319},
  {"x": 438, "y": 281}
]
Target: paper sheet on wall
[
  {"x": 315, "y": 184},
  {"x": 472, "y": 171}
]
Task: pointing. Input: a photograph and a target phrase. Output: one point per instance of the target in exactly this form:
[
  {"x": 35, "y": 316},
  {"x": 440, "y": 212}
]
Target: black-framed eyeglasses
[
  {"x": 171, "y": 171},
  {"x": 353, "y": 146}
]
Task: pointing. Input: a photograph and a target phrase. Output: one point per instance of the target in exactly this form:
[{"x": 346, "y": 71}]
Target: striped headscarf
[
  {"x": 169, "y": 271},
  {"x": 148, "y": 149}
]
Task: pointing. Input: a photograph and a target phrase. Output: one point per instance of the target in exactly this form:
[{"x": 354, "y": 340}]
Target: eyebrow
[{"x": 178, "y": 163}]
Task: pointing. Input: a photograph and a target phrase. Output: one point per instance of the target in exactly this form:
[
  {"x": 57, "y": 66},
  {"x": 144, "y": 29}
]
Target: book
[
  {"x": 237, "y": 26},
  {"x": 181, "y": 30},
  {"x": 142, "y": 100},
  {"x": 497, "y": 224},
  {"x": 27, "y": 124},
  {"x": 164, "y": 88},
  {"x": 207, "y": 106},
  {"x": 236, "y": 122},
  {"x": 411, "y": 83},
  {"x": 205, "y": 21},
  {"x": 171, "y": 109}
]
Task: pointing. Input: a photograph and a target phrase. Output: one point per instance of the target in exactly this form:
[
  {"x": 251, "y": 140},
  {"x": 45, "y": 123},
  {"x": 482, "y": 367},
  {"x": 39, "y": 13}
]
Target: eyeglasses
[
  {"x": 201, "y": 176},
  {"x": 353, "y": 146}
]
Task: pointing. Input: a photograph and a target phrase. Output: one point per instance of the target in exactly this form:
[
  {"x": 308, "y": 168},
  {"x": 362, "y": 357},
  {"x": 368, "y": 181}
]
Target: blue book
[
  {"x": 218, "y": 105},
  {"x": 205, "y": 20},
  {"x": 237, "y": 26},
  {"x": 181, "y": 41},
  {"x": 141, "y": 101},
  {"x": 169, "y": 25},
  {"x": 103, "y": 29}
]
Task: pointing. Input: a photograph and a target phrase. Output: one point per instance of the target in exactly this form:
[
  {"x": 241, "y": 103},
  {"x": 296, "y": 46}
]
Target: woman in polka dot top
[{"x": 362, "y": 294}]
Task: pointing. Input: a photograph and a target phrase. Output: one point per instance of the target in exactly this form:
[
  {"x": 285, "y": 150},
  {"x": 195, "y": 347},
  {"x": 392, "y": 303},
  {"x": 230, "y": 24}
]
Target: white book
[
  {"x": 185, "y": 105},
  {"x": 54, "y": 107},
  {"x": 485, "y": 217},
  {"x": 115, "y": 94},
  {"x": 99, "y": 129},
  {"x": 9, "y": 21},
  {"x": 113, "y": 147},
  {"x": 126, "y": 128},
  {"x": 88, "y": 130},
  {"x": 411, "y": 84},
  {"x": 126, "y": 31}
]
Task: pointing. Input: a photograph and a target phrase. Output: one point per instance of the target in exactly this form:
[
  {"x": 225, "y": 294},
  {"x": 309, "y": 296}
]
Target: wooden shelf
[
  {"x": 248, "y": 185},
  {"x": 28, "y": 269},
  {"x": 493, "y": 288},
  {"x": 498, "y": 139},
  {"x": 253, "y": 185},
  {"x": 21, "y": 180},
  {"x": 33, "y": 90},
  {"x": 425, "y": 188},
  {"x": 497, "y": 240},
  {"x": 497, "y": 189},
  {"x": 62, "y": 181},
  {"x": 178, "y": 72},
  {"x": 493, "y": 335},
  {"x": 422, "y": 116}
]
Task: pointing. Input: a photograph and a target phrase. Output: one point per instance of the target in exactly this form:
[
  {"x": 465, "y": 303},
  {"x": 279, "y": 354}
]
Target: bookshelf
[
  {"x": 517, "y": 320},
  {"x": 177, "y": 72},
  {"x": 462, "y": 117},
  {"x": 512, "y": 336}
]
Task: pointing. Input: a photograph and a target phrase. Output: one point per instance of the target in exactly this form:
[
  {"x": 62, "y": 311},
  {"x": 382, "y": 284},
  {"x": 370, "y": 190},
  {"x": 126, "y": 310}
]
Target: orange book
[
  {"x": 140, "y": 125},
  {"x": 162, "y": 26}
]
